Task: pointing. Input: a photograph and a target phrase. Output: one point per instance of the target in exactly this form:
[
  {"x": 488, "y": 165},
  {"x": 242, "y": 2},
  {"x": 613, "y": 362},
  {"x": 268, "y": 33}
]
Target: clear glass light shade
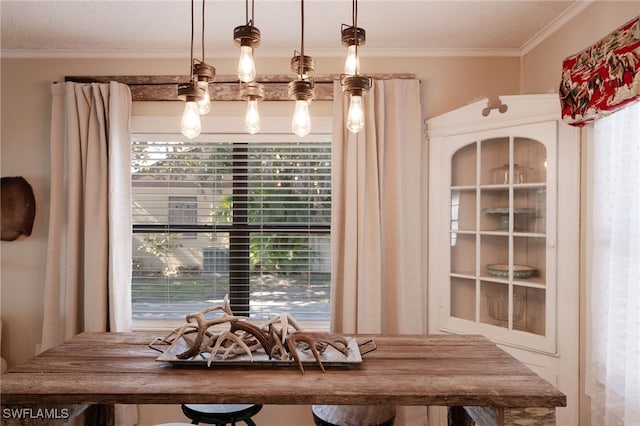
[
  {"x": 352, "y": 64},
  {"x": 252, "y": 117},
  {"x": 301, "y": 123},
  {"x": 204, "y": 104},
  {"x": 246, "y": 65},
  {"x": 190, "y": 125},
  {"x": 355, "y": 115}
]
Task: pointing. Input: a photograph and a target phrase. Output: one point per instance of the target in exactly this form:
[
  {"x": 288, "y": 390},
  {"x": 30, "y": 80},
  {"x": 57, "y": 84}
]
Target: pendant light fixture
[
  {"x": 196, "y": 91},
  {"x": 247, "y": 37},
  {"x": 354, "y": 84},
  {"x": 204, "y": 73},
  {"x": 191, "y": 93},
  {"x": 352, "y": 38},
  {"x": 252, "y": 92},
  {"x": 301, "y": 89}
]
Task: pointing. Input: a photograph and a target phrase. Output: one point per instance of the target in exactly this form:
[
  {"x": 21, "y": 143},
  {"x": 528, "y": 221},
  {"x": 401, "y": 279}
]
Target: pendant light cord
[
  {"x": 354, "y": 12},
  {"x": 203, "y": 1},
  {"x": 246, "y": 12},
  {"x": 301, "y": 65},
  {"x": 192, "y": 34}
]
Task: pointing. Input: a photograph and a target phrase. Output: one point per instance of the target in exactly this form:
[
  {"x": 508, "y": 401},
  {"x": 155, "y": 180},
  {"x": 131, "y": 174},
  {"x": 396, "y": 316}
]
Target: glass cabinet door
[
  {"x": 499, "y": 238},
  {"x": 503, "y": 233}
]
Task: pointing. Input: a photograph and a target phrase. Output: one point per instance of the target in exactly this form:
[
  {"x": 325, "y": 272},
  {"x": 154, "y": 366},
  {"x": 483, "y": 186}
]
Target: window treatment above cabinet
[{"x": 603, "y": 77}]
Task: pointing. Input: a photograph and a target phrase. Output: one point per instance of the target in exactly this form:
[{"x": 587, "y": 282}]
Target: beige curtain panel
[
  {"x": 88, "y": 271},
  {"x": 376, "y": 223}
]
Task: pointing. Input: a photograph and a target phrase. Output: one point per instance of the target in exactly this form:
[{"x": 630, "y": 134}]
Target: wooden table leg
[
  {"x": 99, "y": 415},
  {"x": 457, "y": 416},
  {"x": 479, "y": 416}
]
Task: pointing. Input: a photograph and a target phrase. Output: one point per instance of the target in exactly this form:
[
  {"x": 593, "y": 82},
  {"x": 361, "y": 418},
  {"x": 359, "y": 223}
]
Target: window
[
  {"x": 182, "y": 211},
  {"x": 257, "y": 211},
  {"x": 613, "y": 267}
]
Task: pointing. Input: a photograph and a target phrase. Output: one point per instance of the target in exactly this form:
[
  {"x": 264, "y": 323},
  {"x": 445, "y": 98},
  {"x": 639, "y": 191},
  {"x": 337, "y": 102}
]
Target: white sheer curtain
[
  {"x": 613, "y": 241},
  {"x": 88, "y": 271},
  {"x": 376, "y": 218}
]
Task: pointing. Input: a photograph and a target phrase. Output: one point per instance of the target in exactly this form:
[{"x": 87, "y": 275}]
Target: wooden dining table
[{"x": 468, "y": 373}]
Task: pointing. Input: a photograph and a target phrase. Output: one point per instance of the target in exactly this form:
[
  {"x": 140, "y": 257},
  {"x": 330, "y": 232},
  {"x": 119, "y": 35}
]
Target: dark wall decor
[{"x": 18, "y": 208}]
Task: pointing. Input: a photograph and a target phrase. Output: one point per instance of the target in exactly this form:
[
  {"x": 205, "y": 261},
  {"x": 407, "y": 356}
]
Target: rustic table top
[{"x": 445, "y": 370}]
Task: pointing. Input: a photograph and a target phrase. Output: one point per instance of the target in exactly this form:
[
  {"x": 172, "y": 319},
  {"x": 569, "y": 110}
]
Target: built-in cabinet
[{"x": 503, "y": 232}]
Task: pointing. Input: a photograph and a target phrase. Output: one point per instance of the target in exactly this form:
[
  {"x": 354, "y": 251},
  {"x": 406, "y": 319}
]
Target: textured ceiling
[{"x": 111, "y": 28}]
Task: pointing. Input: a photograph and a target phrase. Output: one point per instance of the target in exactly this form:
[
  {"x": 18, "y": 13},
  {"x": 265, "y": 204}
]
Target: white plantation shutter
[{"x": 237, "y": 215}]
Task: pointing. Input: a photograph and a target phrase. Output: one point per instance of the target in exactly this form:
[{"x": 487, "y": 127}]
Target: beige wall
[
  {"x": 542, "y": 66},
  {"x": 447, "y": 83},
  {"x": 541, "y": 70}
]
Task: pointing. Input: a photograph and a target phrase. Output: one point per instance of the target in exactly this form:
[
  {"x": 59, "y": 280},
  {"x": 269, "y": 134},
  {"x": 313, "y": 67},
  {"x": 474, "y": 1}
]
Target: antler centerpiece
[{"x": 227, "y": 335}]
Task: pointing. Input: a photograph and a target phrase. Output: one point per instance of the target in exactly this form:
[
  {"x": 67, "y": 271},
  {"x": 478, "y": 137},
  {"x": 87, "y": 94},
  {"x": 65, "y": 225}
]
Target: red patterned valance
[{"x": 602, "y": 78}]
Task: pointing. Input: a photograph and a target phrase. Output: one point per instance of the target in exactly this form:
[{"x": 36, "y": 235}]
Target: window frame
[{"x": 161, "y": 127}]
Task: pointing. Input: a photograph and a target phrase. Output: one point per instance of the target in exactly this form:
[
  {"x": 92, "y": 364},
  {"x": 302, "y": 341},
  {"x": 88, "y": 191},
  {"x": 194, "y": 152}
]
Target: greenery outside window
[{"x": 257, "y": 211}]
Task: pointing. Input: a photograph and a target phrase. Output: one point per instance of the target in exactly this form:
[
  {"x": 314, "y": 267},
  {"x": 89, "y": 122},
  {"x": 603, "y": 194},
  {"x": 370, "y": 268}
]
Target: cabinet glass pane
[
  {"x": 494, "y": 155},
  {"x": 463, "y": 298},
  {"x": 530, "y": 252},
  {"x": 494, "y": 304},
  {"x": 494, "y": 250},
  {"x": 498, "y": 233},
  {"x": 463, "y": 253},
  {"x": 463, "y": 166},
  {"x": 531, "y": 156},
  {"x": 530, "y": 209},
  {"x": 494, "y": 204},
  {"x": 529, "y": 305},
  {"x": 463, "y": 210}
]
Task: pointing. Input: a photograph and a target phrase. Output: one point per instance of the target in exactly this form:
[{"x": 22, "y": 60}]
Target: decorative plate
[{"x": 502, "y": 270}]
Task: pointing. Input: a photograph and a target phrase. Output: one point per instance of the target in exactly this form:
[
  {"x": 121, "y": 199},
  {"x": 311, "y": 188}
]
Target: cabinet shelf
[
  {"x": 533, "y": 282},
  {"x": 533, "y": 185},
  {"x": 498, "y": 233}
]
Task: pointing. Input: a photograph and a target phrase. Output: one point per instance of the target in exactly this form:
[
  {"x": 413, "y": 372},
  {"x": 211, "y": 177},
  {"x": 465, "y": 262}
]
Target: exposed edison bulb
[
  {"x": 252, "y": 117},
  {"x": 204, "y": 104},
  {"x": 246, "y": 65},
  {"x": 352, "y": 64},
  {"x": 191, "y": 120},
  {"x": 355, "y": 115},
  {"x": 301, "y": 123}
]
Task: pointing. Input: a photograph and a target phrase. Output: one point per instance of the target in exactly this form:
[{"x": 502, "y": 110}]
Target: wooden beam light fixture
[{"x": 196, "y": 91}]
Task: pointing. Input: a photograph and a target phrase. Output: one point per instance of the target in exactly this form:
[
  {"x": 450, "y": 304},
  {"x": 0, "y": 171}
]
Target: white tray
[{"x": 329, "y": 358}]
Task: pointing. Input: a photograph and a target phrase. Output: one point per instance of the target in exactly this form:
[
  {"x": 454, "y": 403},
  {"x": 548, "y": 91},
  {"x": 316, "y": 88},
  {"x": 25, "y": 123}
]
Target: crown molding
[
  {"x": 264, "y": 53},
  {"x": 574, "y": 10}
]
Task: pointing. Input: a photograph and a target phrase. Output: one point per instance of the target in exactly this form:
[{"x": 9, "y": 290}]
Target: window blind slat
[{"x": 220, "y": 217}]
